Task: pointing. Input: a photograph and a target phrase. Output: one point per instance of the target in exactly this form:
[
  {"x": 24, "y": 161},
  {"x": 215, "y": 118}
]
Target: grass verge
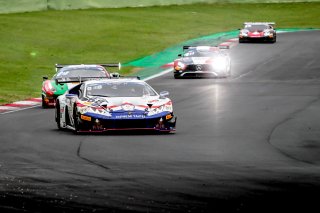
[{"x": 31, "y": 43}]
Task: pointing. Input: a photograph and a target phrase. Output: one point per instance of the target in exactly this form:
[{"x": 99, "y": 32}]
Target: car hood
[
  {"x": 126, "y": 107},
  {"x": 126, "y": 103},
  {"x": 196, "y": 60}
]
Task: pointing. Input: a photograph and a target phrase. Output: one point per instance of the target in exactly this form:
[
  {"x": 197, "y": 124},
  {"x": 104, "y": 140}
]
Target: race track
[{"x": 249, "y": 143}]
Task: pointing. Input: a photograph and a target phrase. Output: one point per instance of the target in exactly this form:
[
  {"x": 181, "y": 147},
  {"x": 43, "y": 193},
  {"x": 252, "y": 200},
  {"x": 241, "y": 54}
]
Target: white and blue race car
[{"x": 115, "y": 104}]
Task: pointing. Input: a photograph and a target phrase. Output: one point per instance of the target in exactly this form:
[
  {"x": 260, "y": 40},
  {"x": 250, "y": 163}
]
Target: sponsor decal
[
  {"x": 86, "y": 118},
  {"x": 199, "y": 60},
  {"x": 134, "y": 116},
  {"x": 127, "y": 107}
]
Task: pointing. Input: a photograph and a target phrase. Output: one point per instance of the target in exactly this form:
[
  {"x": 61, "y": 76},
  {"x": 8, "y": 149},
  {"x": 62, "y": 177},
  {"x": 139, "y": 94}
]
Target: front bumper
[
  {"x": 92, "y": 123},
  {"x": 256, "y": 38},
  {"x": 192, "y": 73}
]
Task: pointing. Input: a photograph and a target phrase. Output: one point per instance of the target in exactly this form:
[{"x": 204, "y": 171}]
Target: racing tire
[
  {"x": 43, "y": 103},
  {"x": 57, "y": 115},
  {"x": 76, "y": 120},
  {"x": 241, "y": 40},
  {"x": 177, "y": 76},
  {"x": 273, "y": 40}
]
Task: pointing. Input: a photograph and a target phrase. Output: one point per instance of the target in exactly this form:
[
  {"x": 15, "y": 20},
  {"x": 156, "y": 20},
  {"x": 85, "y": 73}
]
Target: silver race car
[
  {"x": 202, "y": 61},
  {"x": 115, "y": 104}
]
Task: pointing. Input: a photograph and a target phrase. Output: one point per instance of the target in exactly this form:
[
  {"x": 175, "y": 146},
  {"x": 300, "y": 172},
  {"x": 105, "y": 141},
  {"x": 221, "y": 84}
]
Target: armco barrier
[{"x": 16, "y": 6}]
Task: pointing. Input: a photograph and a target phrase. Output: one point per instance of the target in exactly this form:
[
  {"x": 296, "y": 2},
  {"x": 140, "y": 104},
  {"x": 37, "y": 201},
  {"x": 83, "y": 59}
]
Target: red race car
[{"x": 258, "y": 31}]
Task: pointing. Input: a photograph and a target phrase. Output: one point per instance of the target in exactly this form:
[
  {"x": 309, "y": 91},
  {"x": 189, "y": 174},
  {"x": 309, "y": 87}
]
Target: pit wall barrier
[{"x": 18, "y": 6}]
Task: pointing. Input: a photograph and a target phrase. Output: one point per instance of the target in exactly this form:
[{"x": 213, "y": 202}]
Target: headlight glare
[{"x": 219, "y": 63}]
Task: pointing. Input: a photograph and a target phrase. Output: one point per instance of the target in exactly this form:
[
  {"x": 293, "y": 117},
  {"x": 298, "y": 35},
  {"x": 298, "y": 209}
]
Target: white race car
[{"x": 115, "y": 104}]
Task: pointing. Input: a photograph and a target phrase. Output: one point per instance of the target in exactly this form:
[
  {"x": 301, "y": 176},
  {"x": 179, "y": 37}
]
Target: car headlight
[
  {"x": 267, "y": 33},
  {"x": 220, "y": 63},
  {"x": 180, "y": 66},
  {"x": 244, "y": 33},
  {"x": 84, "y": 109},
  {"x": 162, "y": 108},
  {"x": 156, "y": 110}
]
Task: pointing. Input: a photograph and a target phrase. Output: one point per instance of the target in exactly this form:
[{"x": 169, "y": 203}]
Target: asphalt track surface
[{"x": 249, "y": 143}]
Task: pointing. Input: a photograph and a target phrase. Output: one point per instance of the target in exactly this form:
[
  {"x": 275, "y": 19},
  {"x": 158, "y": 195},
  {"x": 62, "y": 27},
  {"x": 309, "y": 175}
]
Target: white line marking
[
  {"x": 8, "y": 108},
  {"x": 26, "y": 102},
  {"x": 158, "y": 74},
  {"x": 18, "y": 109}
]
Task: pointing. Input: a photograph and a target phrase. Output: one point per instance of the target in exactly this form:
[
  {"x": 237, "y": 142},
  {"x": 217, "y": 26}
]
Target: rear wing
[
  {"x": 78, "y": 79},
  {"x": 187, "y": 47},
  {"x": 194, "y": 47},
  {"x": 117, "y": 76},
  {"x": 59, "y": 66},
  {"x": 253, "y": 23}
]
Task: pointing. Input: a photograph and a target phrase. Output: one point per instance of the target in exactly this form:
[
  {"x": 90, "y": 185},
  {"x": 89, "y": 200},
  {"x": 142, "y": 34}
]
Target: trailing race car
[
  {"x": 51, "y": 89},
  {"x": 258, "y": 31},
  {"x": 114, "y": 104},
  {"x": 202, "y": 61}
]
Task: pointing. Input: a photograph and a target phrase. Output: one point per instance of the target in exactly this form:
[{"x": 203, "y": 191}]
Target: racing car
[
  {"x": 258, "y": 31},
  {"x": 114, "y": 104},
  {"x": 202, "y": 61},
  {"x": 51, "y": 89}
]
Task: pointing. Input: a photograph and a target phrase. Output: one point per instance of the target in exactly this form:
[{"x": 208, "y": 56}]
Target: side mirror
[
  {"x": 115, "y": 75},
  {"x": 164, "y": 94},
  {"x": 45, "y": 78},
  {"x": 180, "y": 55}
]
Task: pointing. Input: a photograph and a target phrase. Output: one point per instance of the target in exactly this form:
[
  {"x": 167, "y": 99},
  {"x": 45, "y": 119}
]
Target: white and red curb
[
  {"x": 229, "y": 44},
  {"x": 18, "y": 105}
]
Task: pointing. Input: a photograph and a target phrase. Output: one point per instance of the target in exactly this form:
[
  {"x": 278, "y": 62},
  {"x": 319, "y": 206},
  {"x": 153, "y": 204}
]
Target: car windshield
[
  {"x": 120, "y": 89},
  {"x": 196, "y": 53},
  {"x": 75, "y": 72},
  {"x": 256, "y": 27}
]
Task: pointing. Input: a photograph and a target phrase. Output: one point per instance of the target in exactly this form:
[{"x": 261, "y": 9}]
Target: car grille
[
  {"x": 137, "y": 123},
  {"x": 198, "y": 67}
]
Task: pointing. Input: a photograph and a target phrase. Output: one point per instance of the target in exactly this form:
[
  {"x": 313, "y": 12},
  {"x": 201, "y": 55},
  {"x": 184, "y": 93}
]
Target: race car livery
[
  {"x": 258, "y": 31},
  {"x": 202, "y": 61},
  {"x": 114, "y": 104},
  {"x": 51, "y": 89}
]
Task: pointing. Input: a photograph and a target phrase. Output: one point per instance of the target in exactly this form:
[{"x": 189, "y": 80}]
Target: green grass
[{"x": 31, "y": 43}]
